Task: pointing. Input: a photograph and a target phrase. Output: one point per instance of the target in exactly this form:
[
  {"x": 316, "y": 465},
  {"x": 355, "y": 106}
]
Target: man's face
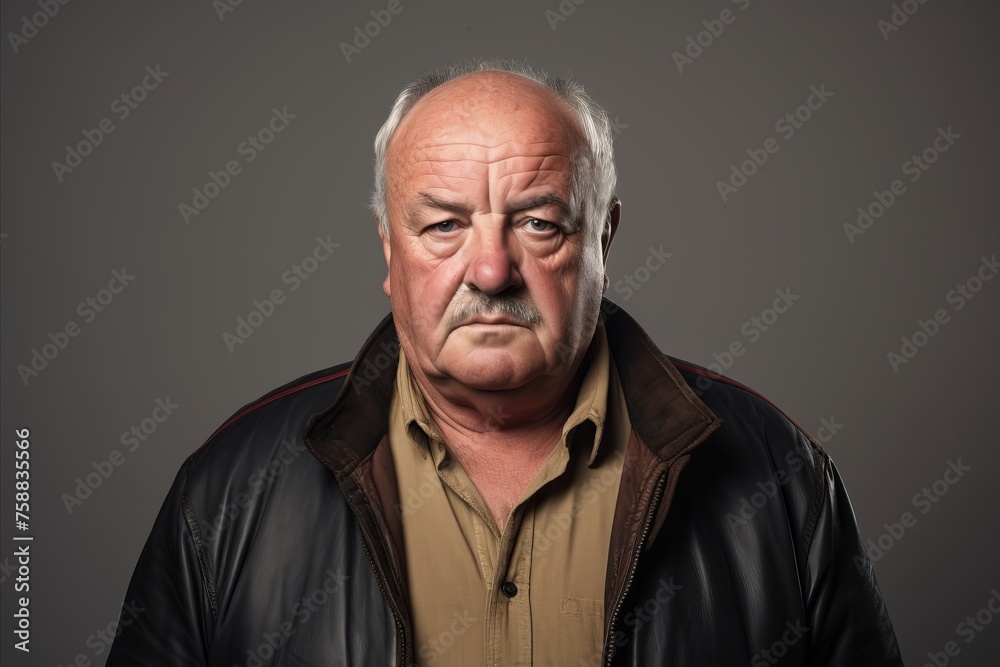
[{"x": 495, "y": 283}]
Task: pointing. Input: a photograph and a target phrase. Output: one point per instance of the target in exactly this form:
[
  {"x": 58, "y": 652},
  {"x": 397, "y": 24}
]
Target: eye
[
  {"x": 536, "y": 225},
  {"x": 445, "y": 227}
]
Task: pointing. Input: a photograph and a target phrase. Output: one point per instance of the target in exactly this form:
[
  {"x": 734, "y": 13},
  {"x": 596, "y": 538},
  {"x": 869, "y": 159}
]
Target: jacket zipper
[
  {"x": 400, "y": 633},
  {"x": 609, "y": 645}
]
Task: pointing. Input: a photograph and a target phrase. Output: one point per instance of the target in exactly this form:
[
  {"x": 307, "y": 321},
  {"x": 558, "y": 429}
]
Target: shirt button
[{"x": 509, "y": 589}]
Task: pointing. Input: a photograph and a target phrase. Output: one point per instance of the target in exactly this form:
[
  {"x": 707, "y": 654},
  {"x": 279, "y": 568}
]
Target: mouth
[{"x": 492, "y": 320}]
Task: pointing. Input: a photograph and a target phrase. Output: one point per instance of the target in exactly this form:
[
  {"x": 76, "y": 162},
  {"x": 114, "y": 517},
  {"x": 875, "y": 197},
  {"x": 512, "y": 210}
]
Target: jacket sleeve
[
  {"x": 168, "y": 611},
  {"x": 848, "y": 621}
]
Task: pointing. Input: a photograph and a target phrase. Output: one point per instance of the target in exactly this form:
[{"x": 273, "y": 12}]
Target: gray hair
[{"x": 593, "y": 164}]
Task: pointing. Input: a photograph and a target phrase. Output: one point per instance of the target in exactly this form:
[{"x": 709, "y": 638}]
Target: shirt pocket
[{"x": 581, "y": 631}]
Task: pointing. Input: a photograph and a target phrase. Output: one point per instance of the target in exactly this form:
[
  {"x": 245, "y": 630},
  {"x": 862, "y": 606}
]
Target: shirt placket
[{"x": 509, "y": 636}]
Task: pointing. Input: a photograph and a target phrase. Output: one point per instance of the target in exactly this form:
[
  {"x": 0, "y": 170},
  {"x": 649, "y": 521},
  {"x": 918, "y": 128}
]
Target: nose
[{"x": 492, "y": 266}]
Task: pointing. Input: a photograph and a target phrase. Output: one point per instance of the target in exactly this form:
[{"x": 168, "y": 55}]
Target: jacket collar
[
  {"x": 666, "y": 414},
  {"x": 350, "y": 428}
]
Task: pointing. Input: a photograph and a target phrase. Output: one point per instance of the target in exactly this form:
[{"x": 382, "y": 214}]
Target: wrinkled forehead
[
  {"x": 511, "y": 162},
  {"x": 486, "y": 119}
]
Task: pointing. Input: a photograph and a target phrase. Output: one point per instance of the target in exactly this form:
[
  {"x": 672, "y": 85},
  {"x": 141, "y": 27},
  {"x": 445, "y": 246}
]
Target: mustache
[{"x": 516, "y": 307}]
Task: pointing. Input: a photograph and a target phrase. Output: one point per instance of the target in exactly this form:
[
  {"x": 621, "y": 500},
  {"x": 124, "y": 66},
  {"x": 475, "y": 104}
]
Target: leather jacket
[{"x": 733, "y": 543}]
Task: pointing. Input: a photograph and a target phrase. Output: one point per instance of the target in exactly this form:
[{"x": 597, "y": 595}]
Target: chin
[{"x": 489, "y": 369}]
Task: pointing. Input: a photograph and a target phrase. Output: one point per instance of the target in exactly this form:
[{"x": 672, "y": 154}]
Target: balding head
[
  {"x": 487, "y": 109},
  {"x": 594, "y": 175}
]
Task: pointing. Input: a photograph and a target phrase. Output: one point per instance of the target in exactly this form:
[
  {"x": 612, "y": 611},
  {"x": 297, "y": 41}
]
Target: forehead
[{"x": 491, "y": 122}]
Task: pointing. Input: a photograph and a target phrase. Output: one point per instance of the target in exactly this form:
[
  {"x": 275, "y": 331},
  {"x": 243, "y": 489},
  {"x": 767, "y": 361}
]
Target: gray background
[{"x": 679, "y": 133}]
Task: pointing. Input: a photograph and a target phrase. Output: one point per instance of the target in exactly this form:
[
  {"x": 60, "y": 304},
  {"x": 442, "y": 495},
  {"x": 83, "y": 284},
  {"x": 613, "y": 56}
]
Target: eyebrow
[
  {"x": 540, "y": 201},
  {"x": 519, "y": 205},
  {"x": 442, "y": 204}
]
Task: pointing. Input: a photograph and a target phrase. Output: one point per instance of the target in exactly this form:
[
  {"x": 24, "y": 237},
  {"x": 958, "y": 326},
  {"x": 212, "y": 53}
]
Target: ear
[
  {"x": 611, "y": 227},
  {"x": 387, "y": 251}
]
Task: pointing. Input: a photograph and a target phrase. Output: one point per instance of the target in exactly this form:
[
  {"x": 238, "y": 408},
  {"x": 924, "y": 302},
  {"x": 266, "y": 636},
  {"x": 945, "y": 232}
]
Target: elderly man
[{"x": 510, "y": 472}]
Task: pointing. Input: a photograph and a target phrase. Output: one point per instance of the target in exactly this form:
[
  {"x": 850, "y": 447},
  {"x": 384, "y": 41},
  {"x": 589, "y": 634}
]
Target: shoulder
[
  {"x": 238, "y": 493},
  {"x": 267, "y": 429},
  {"x": 318, "y": 386},
  {"x": 760, "y": 461},
  {"x": 748, "y": 413}
]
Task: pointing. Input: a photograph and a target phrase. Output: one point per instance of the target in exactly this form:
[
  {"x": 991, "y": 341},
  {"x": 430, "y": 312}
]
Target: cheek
[
  {"x": 555, "y": 288},
  {"x": 568, "y": 290},
  {"x": 429, "y": 286}
]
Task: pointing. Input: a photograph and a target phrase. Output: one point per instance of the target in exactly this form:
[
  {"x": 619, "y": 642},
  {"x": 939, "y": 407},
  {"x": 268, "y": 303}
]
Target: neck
[{"x": 513, "y": 424}]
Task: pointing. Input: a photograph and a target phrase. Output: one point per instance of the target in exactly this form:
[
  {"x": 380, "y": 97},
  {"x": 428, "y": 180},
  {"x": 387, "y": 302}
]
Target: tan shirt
[{"x": 534, "y": 594}]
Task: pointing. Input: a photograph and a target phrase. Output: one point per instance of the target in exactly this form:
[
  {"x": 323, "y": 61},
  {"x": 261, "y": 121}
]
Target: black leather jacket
[{"x": 734, "y": 542}]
